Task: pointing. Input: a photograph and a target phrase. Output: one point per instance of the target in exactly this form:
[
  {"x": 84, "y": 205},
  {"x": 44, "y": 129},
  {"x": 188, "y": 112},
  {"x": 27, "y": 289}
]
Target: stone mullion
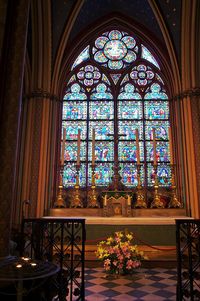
[{"x": 11, "y": 94}]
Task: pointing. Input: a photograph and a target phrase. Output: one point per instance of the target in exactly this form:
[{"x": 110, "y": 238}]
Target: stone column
[{"x": 12, "y": 69}]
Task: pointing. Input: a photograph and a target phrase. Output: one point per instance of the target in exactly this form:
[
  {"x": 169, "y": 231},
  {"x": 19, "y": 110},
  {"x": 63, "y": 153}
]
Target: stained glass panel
[
  {"x": 69, "y": 175},
  {"x": 103, "y": 174},
  {"x": 101, "y": 110},
  {"x": 71, "y": 151},
  {"x": 101, "y": 92},
  {"x": 155, "y": 93},
  {"x": 161, "y": 130},
  {"x": 72, "y": 128},
  {"x": 103, "y": 130},
  {"x": 75, "y": 93},
  {"x": 103, "y": 151},
  {"x": 146, "y": 54},
  {"x": 83, "y": 56},
  {"x": 128, "y": 173},
  {"x": 129, "y": 41},
  {"x": 128, "y": 92},
  {"x": 89, "y": 75},
  {"x": 162, "y": 151},
  {"x": 130, "y": 110},
  {"x": 74, "y": 110},
  {"x": 127, "y": 129},
  {"x": 164, "y": 175},
  {"x": 156, "y": 110},
  {"x": 127, "y": 151}
]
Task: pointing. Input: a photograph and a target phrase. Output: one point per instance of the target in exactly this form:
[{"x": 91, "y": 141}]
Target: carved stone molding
[
  {"x": 190, "y": 92},
  {"x": 40, "y": 93}
]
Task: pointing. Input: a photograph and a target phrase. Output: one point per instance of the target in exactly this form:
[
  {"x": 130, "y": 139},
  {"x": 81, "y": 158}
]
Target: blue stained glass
[
  {"x": 83, "y": 56},
  {"x": 162, "y": 151},
  {"x": 105, "y": 79},
  {"x": 115, "y": 77},
  {"x": 128, "y": 173},
  {"x": 100, "y": 42},
  {"x": 115, "y": 34},
  {"x": 156, "y": 110},
  {"x": 127, "y": 129},
  {"x": 164, "y": 175},
  {"x": 155, "y": 93},
  {"x": 129, "y": 41},
  {"x": 103, "y": 174},
  {"x": 128, "y": 92},
  {"x": 127, "y": 151},
  {"x": 101, "y": 110},
  {"x": 88, "y": 75},
  {"x": 115, "y": 65},
  {"x": 74, "y": 110},
  {"x": 101, "y": 92},
  {"x": 72, "y": 128},
  {"x": 69, "y": 175},
  {"x": 161, "y": 130},
  {"x": 71, "y": 151},
  {"x": 146, "y": 54},
  {"x": 130, "y": 57},
  {"x": 103, "y": 151},
  {"x": 103, "y": 130},
  {"x": 75, "y": 93},
  {"x": 125, "y": 79},
  {"x": 100, "y": 57},
  {"x": 130, "y": 110}
]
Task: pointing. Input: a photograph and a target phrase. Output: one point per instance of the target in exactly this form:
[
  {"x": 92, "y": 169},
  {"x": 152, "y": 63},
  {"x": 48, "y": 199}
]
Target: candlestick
[
  {"x": 170, "y": 147},
  {"x": 93, "y": 146},
  {"x": 154, "y": 148},
  {"x": 137, "y": 146},
  {"x": 63, "y": 146},
  {"x": 78, "y": 147}
]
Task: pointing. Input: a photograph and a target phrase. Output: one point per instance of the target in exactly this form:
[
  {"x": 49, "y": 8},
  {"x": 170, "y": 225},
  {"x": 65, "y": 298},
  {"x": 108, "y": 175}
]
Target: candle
[
  {"x": 170, "y": 146},
  {"x": 93, "y": 146},
  {"x": 105, "y": 200},
  {"x": 137, "y": 146},
  {"x": 129, "y": 200},
  {"x": 78, "y": 147},
  {"x": 63, "y": 146},
  {"x": 154, "y": 147}
]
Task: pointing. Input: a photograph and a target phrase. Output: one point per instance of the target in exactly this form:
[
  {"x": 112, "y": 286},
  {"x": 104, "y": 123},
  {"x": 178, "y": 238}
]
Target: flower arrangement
[{"x": 118, "y": 253}]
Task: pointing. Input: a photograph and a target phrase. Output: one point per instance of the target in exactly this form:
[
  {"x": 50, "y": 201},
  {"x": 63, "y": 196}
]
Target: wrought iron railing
[
  {"x": 62, "y": 241},
  {"x": 188, "y": 259}
]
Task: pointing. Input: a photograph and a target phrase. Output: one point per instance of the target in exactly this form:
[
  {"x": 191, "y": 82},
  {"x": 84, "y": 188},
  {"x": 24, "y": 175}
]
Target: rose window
[
  {"x": 142, "y": 75},
  {"x": 115, "y": 49},
  {"x": 89, "y": 75}
]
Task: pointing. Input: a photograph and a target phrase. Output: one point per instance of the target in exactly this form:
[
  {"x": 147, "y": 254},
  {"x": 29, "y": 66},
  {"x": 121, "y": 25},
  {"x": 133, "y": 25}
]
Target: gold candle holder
[
  {"x": 157, "y": 203},
  {"x": 92, "y": 194},
  {"x": 140, "y": 196},
  {"x": 76, "y": 201},
  {"x": 174, "y": 201},
  {"x": 60, "y": 202}
]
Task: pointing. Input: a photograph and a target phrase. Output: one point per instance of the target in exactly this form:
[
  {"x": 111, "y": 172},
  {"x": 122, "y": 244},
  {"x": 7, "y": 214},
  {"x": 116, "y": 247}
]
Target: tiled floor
[{"x": 147, "y": 284}]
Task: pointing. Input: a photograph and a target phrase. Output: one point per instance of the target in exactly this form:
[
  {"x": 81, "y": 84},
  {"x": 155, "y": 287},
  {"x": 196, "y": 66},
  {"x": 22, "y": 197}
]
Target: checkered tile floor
[{"x": 147, "y": 284}]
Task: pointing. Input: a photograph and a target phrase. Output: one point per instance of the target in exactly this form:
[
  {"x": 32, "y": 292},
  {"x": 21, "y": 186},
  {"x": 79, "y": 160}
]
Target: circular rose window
[{"x": 115, "y": 50}]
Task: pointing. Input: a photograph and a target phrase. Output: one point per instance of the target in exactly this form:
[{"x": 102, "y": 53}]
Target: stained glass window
[{"x": 116, "y": 87}]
